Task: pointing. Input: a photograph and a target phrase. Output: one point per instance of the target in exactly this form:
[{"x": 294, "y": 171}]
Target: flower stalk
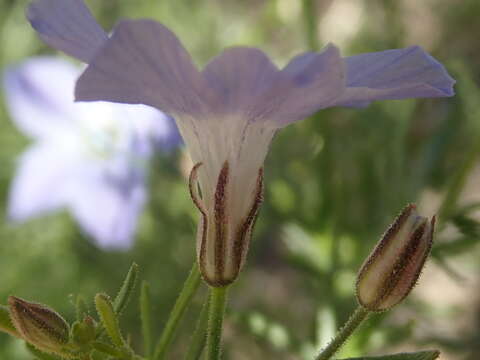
[
  {"x": 359, "y": 315},
  {"x": 218, "y": 301}
]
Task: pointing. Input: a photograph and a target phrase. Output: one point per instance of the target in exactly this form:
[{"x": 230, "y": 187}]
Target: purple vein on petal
[{"x": 144, "y": 62}]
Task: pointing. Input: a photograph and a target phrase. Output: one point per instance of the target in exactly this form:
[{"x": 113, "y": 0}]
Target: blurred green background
[{"x": 334, "y": 182}]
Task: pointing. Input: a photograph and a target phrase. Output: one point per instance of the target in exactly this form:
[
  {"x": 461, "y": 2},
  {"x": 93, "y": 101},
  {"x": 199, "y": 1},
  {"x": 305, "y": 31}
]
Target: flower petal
[
  {"x": 67, "y": 25},
  {"x": 246, "y": 81},
  {"x": 39, "y": 95},
  {"x": 394, "y": 74},
  {"x": 41, "y": 182},
  {"x": 239, "y": 75},
  {"x": 143, "y": 63},
  {"x": 317, "y": 80},
  {"x": 107, "y": 209}
]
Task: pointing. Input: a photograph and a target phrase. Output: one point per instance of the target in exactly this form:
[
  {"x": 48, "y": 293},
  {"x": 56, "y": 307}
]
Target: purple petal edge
[
  {"x": 393, "y": 75},
  {"x": 68, "y": 26}
]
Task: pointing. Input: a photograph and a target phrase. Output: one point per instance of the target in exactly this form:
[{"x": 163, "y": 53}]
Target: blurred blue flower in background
[{"x": 91, "y": 158}]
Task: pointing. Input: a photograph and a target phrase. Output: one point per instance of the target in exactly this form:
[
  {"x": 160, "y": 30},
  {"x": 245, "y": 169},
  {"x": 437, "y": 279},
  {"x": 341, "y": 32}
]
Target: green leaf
[
  {"x": 40, "y": 355},
  {"x": 146, "y": 318},
  {"x": 455, "y": 246},
  {"x": 199, "y": 338},
  {"x": 466, "y": 225},
  {"x": 109, "y": 318},
  {"x": 6, "y": 324},
  {"x": 126, "y": 290},
  {"x": 106, "y": 349},
  {"x": 81, "y": 308},
  {"x": 421, "y": 355}
]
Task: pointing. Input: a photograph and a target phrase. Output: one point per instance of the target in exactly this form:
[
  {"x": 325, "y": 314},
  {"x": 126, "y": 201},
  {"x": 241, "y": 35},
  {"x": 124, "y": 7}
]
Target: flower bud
[
  {"x": 393, "y": 268},
  {"x": 39, "y": 325},
  {"x": 83, "y": 333},
  {"x": 226, "y": 224}
]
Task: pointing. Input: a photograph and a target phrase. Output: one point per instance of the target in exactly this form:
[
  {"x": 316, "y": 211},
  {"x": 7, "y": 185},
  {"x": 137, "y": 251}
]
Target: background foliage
[{"x": 334, "y": 182}]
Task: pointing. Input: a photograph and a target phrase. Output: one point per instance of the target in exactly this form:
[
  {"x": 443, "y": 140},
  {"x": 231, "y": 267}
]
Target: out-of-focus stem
[
  {"x": 189, "y": 289},
  {"x": 469, "y": 93},
  {"x": 455, "y": 189},
  {"x": 310, "y": 21},
  {"x": 197, "y": 342},
  {"x": 146, "y": 319}
]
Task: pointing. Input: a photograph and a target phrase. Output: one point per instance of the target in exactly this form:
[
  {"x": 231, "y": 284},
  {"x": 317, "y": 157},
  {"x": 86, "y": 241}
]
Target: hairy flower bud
[
  {"x": 39, "y": 325},
  {"x": 393, "y": 268},
  {"x": 226, "y": 225},
  {"x": 83, "y": 332}
]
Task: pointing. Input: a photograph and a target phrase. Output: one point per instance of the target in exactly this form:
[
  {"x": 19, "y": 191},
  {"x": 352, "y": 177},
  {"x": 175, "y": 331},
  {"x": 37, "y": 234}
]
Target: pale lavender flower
[
  {"x": 229, "y": 112},
  {"x": 90, "y": 158}
]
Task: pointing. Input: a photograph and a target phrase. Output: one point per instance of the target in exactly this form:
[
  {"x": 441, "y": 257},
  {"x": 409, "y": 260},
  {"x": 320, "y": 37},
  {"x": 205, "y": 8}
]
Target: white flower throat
[{"x": 228, "y": 156}]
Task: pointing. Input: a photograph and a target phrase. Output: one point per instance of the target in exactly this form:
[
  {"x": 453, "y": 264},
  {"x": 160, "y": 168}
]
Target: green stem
[
  {"x": 455, "y": 189},
  {"x": 218, "y": 297},
  {"x": 189, "y": 289},
  {"x": 353, "y": 322},
  {"x": 470, "y": 92},
  {"x": 145, "y": 316},
  {"x": 197, "y": 342},
  {"x": 311, "y": 24}
]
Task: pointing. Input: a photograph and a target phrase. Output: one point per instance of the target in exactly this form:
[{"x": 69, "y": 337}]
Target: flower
[
  {"x": 90, "y": 158},
  {"x": 229, "y": 112},
  {"x": 394, "y": 266}
]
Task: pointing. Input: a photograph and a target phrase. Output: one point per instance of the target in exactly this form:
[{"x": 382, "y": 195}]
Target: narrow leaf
[
  {"x": 6, "y": 324},
  {"x": 106, "y": 349},
  {"x": 81, "y": 308},
  {"x": 126, "y": 290},
  {"x": 145, "y": 315},
  {"x": 181, "y": 304},
  {"x": 39, "y": 354},
  {"x": 109, "y": 318},
  {"x": 421, "y": 355},
  {"x": 199, "y": 337}
]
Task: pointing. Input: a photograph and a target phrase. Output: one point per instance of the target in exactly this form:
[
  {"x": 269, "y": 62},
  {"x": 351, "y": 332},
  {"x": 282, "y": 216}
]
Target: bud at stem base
[{"x": 39, "y": 325}]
